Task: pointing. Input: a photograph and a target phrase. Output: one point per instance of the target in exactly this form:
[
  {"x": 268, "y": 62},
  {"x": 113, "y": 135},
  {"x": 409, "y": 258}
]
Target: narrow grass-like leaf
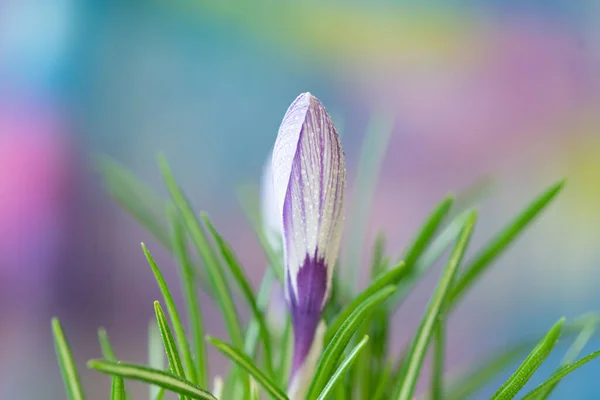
[
  {"x": 439, "y": 349},
  {"x": 382, "y": 382},
  {"x": 371, "y": 358},
  {"x": 243, "y": 361},
  {"x": 156, "y": 354},
  {"x": 175, "y": 365},
  {"x": 262, "y": 301},
  {"x": 427, "y": 231},
  {"x": 534, "y": 360},
  {"x": 560, "y": 374},
  {"x": 286, "y": 354},
  {"x": 217, "y": 276},
  {"x": 378, "y": 264},
  {"x": 254, "y": 392},
  {"x": 338, "y": 343},
  {"x": 191, "y": 296},
  {"x": 107, "y": 350},
  {"x": 579, "y": 323},
  {"x": 118, "y": 389},
  {"x": 171, "y": 351},
  {"x": 248, "y": 293},
  {"x": 160, "y": 394},
  {"x": 253, "y": 330},
  {"x": 139, "y": 201},
  {"x": 579, "y": 343},
  {"x": 135, "y": 197},
  {"x": 365, "y": 367},
  {"x": 418, "y": 349},
  {"x": 344, "y": 366},
  {"x": 190, "y": 370},
  {"x": 437, "y": 379},
  {"x": 429, "y": 257},
  {"x": 108, "y": 353},
  {"x": 248, "y": 199},
  {"x": 471, "y": 195},
  {"x": 572, "y": 354},
  {"x": 496, "y": 246},
  {"x": 371, "y": 361},
  {"x": 391, "y": 277},
  {"x": 163, "y": 379},
  {"x": 66, "y": 362},
  {"x": 469, "y": 382},
  {"x": 370, "y": 161},
  {"x": 339, "y": 393}
]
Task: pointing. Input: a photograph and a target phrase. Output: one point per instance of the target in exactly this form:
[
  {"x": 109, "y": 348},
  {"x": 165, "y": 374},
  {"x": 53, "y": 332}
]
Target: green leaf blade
[
  {"x": 378, "y": 258},
  {"x": 243, "y": 361},
  {"x": 467, "y": 383},
  {"x": 437, "y": 379},
  {"x": 66, "y": 362},
  {"x": 156, "y": 377},
  {"x": 427, "y": 231},
  {"x": 344, "y": 366},
  {"x": 391, "y": 277},
  {"x": 217, "y": 277},
  {"x": 372, "y": 153},
  {"x": 109, "y": 354},
  {"x": 191, "y": 297},
  {"x": 340, "y": 340},
  {"x": 496, "y": 246},
  {"x": 156, "y": 354},
  {"x": 244, "y": 284},
  {"x": 190, "y": 369},
  {"x": 262, "y": 301},
  {"x": 430, "y": 256},
  {"x": 134, "y": 196},
  {"x": 169, "y": 342},
  {"x": 560, "y": 374},
  {"x": 472, "y": 380},
  {"x": 578, "y": 344},
  {"x": 107, "y": 350},
  {"x": 531, "y": 364},
  {"x": 418, "y": 349},
  {"x": 118, "y": 389}
]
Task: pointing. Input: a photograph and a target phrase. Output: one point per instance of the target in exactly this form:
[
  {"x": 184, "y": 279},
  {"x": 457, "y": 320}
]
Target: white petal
[
  {"x": 271, "y": 217},
  {"x": 217, "y": 386}
]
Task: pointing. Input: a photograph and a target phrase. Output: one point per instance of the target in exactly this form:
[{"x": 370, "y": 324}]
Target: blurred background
[{"x": 471, "y": 89}]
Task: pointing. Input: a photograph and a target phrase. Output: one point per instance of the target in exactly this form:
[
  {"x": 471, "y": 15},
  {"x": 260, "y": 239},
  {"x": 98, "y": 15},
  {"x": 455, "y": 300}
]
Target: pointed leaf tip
[
  {"x": 530, "y": 365},
  {"x": 496, "y": 246}
]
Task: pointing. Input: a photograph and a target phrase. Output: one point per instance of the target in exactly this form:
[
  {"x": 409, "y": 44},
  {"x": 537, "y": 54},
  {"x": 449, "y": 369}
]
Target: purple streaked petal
[{"x": 309, "y": 180}]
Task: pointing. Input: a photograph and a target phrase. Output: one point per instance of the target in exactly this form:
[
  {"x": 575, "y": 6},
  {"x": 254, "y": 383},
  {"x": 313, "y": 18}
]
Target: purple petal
[{"x": 306, "y": 308}]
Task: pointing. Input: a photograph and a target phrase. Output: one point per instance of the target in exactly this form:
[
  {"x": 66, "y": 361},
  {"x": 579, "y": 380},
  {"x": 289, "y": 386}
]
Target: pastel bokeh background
[{"x": 507, "y": 89}]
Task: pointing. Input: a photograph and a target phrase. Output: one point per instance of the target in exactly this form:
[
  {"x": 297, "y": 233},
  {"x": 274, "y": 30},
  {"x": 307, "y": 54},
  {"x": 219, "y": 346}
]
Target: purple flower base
[{"x": 307, "y": 307}]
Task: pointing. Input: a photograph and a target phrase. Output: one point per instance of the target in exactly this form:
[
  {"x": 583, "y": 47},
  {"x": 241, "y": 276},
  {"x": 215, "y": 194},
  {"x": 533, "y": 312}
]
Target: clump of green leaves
[{"x": 355, "y": 363}]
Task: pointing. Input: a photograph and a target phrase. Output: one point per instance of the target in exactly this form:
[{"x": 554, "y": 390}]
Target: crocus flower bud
[{"x": 309, "y": 180}]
